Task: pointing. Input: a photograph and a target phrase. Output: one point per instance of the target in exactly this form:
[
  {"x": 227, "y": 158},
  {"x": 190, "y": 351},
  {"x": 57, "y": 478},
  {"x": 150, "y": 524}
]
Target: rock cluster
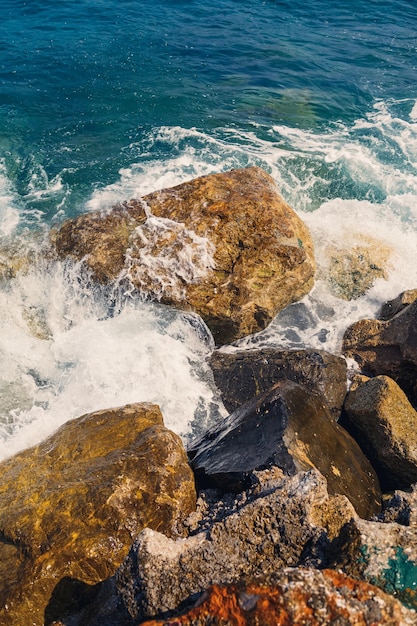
[
  {"x": 71, "y": 506},
  {"x": 101, "y": 525}
]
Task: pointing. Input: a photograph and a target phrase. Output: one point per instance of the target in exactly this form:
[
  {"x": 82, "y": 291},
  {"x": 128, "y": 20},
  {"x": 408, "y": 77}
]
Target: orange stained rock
[{"x": 298, "y": 598}]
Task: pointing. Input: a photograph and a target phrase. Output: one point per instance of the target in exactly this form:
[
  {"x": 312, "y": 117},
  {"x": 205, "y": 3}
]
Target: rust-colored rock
[
  {"x": 71, "y": 506},
  {"x": 387, "y": 348},
  {"x": 226, "y": 246},
  {"x": 380, "y": 417},
  {"x": 295, "y": 598}
]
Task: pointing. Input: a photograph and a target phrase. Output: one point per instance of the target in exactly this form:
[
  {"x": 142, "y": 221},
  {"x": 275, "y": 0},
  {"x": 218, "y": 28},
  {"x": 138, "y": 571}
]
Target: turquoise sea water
[{"x": 103, "y": 100}]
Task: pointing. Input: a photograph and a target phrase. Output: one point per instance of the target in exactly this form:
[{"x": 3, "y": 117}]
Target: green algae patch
[{"x": 399, "y": 578}]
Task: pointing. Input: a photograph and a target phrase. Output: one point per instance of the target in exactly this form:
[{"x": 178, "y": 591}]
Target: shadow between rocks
[{"x": 69, "y": 598}]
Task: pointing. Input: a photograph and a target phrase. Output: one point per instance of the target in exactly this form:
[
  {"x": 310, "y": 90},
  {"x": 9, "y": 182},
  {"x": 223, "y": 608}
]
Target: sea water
[{"x": 102, "y": 101}]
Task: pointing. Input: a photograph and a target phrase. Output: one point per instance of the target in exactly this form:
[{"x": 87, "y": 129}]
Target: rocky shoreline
[{"x": 299, "y": 508}]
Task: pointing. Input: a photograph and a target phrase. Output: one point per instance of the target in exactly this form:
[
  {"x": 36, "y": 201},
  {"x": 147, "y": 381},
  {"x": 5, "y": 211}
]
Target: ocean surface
[{"x": 104, "y": 100}]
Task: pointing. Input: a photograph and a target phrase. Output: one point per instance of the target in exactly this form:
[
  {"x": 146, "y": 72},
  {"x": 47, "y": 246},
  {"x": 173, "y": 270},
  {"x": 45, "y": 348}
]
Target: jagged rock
[
  {"x": 295, "y": 597},
  {"x": 242, "y": 375},
  {"x": 385, "y": 555},
  {"x": 392, "y": 307},
  {"x": 401, "y": 507},
  {"x": 387, "y": 348},
  {"x": 291, "y": 521},
  {"x": 226, "y": 246},
  {"x": 71, "y": 506},
  {"x": 383, "y": 422},
  {"x": 291, "y": 428}
]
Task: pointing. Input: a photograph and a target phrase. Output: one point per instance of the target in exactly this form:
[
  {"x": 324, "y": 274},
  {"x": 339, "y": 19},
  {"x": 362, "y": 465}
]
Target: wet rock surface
[
  {"x": 295, "y": 597},
  {"x": 71, "y": 506},
  {"x": 387, "y": 348},
  {"x": 226, "y": 246},
  {"x": 383, "y": 422},
  {"x": 242, "y": 375},
  {"x": 290, "y": 428}
]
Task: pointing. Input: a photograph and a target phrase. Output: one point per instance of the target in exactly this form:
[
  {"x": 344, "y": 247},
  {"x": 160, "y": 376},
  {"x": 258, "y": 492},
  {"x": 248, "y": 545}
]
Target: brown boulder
[
  {"x": 295, "y": 597},
  {"x": 72, "y": 505},
  {"x": 380, "y": 417},
  {"x": 226, "y": 246},
  {"x": 242, "y": 375},
  {"x": 387, "y": 348},
  {"x": 291, "y": 428}
]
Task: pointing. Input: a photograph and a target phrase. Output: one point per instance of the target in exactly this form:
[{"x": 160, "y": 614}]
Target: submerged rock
[
  {"x": 387, "y": 348},
  {"x": 291, "y": 428},
  {"x": 71, "y": 506},
  {"x": 380, "y": 417},
  {"x": 242, "y": 375},
  {"x": 226, "y": 246},
  {"x": 351, "y": 271},
  {"x": 295, "y": 597}
]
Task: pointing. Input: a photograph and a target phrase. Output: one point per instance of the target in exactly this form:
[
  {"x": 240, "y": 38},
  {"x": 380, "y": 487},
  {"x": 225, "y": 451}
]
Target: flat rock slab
[
  {"x": 291, "y": 428},
  {"x": 72, "y": 505},
  {"x": 225, "y": 246}
]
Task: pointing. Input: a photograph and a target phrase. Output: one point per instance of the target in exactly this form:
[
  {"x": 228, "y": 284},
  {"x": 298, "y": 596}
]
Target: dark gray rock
[
  {"x": 392, "y": 307},
  {"x": 287, "y": 427},
  {"x": 242, "y": 375}
]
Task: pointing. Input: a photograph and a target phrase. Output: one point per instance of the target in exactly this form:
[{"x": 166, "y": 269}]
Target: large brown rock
[
  {"x": 242, "y": 375},
  {"x": 71, "y": 506},
  {"x": 291, "y": 428},
  {"x": 382, "y": 420},
  {"x": 295, "y": 597},
  {"x": 387, "y": 348},
  {"x": 226, "y": 246}
]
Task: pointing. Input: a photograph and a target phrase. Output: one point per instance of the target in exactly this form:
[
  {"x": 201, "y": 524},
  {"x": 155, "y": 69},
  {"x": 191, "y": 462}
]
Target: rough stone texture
[
  {"x": 383, "y": 554},
  {"x": 291, "y": 521},
  {"x": 380, "y": 417},
  {"x": 350, "y": 272},
  {"x": 295, "y": 597},
  {"x": 71, "y": 506},
  {"x": 387, "y": 347},
  {"x": 226, "y": 246},
  {"x": 291, "y": 428},
  {"x": 242, "y": 375},
  {"x": 401, "y": 507},
  {"x": 392, "y": 307}
]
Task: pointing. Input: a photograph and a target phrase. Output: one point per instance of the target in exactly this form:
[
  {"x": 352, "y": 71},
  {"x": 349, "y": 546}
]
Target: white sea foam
[
  {"x": 63, "y": 355},
  {"x": 67, "y": 349}
]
